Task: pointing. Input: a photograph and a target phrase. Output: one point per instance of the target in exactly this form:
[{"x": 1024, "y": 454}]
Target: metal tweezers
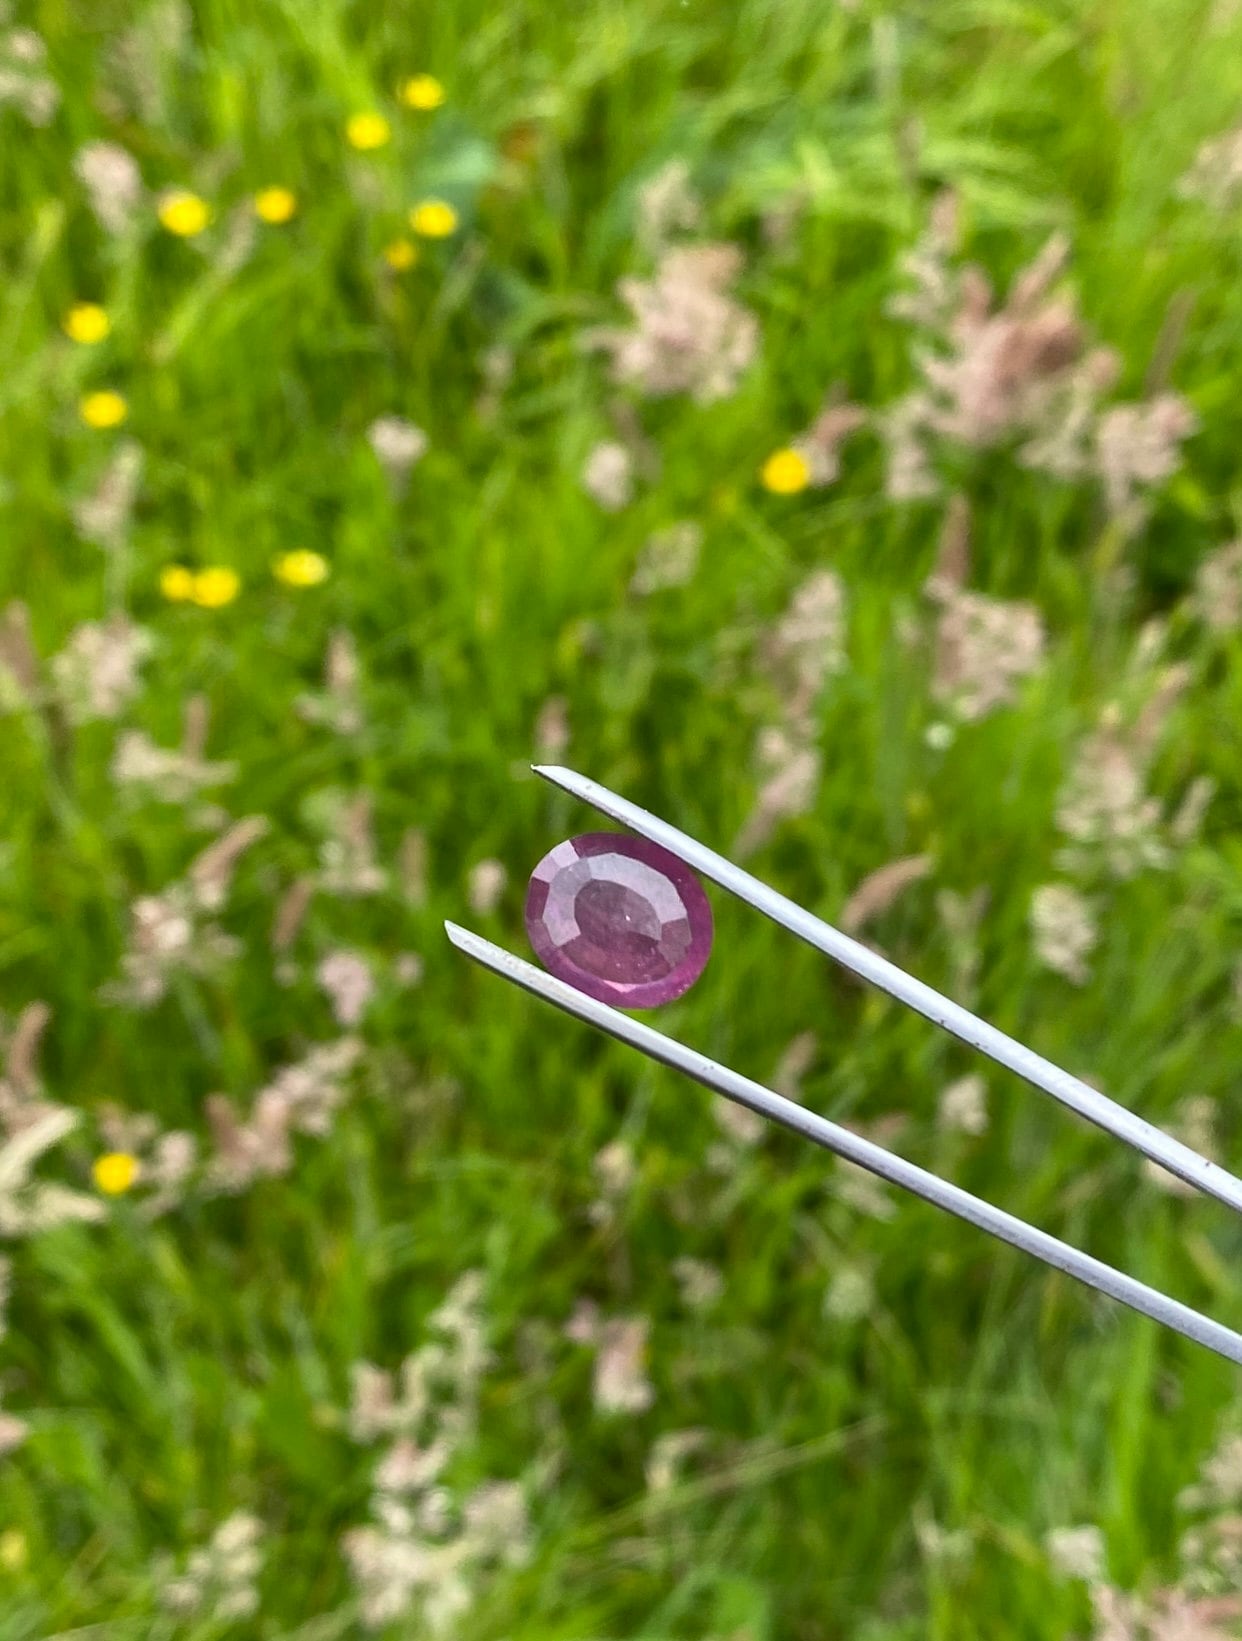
[{"x": 1162, "y": 1148}]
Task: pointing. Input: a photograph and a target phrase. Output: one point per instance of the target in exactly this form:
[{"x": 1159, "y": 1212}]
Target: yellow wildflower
[
  {"x": 422, "y": 91},
  {"x": 103, "y": 409},
  {"x": 87, "y": 322},
  {"x": 275, "y": 204},
  {"x": 366, "y": 131},
  {"x": 301, "y": 568},
  {"x": 215, "y": 587},
  {"x": 177, "y": 583},
  {"x": 401, "y": 255},
  {"x": 786, "y": 472},
  {"x": 183, "y": 213},
  {"x": 116, "y": 1172},
  {"x": 433, "y": 219}
]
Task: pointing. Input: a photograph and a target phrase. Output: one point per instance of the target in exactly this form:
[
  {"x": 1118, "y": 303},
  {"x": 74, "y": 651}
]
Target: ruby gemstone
[{"x": 618, "y": 917}]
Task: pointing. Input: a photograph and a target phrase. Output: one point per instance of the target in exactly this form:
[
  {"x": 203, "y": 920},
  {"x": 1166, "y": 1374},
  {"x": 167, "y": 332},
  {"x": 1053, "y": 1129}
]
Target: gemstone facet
[{"x": 618, "y": 917}]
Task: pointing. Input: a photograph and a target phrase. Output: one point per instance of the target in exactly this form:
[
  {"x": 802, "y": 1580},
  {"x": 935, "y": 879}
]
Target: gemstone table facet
[{"x": 618, "y": 917}]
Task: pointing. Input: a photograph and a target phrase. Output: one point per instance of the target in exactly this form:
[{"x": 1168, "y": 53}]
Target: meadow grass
[{"x": 884, "y": 1470}]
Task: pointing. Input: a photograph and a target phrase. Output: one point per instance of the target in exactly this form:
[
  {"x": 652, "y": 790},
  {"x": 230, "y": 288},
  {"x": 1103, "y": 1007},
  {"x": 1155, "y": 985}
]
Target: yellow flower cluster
[
  {"x": 219, "y": 585},
  {"x": 186, "y": 214},
  {"x": 210, "y": 589}
]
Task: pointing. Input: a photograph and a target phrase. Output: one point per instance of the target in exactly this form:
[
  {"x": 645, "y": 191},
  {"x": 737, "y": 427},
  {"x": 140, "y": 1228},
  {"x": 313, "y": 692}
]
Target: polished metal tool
[{"x": 1162, "y": 1148}]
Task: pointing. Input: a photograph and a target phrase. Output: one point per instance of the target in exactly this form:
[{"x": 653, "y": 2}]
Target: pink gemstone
[{"x": 620, "y": 918}]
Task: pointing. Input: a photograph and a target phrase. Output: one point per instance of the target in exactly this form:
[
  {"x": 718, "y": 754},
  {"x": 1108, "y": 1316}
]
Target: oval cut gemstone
[{"x": 619, "y": 918}]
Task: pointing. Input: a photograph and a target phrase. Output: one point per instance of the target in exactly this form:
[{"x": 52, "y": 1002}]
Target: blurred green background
[{"x": 817, "y": 421}]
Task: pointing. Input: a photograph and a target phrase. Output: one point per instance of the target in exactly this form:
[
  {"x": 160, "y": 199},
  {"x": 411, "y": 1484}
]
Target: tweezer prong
[
  {"x": 1071, "y": 1091},
  {"x": 1137, "y": 1295}
]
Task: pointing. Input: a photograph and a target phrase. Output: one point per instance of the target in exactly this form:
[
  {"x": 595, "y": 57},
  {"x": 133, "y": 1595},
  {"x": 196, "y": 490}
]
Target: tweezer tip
[
  {"x": 459, "y": 936},
  {"x": 558, "y": 775}
]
